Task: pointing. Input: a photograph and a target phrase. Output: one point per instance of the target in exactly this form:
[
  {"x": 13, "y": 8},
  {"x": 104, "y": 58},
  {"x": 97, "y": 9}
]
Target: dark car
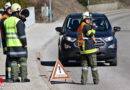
[{"x": 105, "y": 37}]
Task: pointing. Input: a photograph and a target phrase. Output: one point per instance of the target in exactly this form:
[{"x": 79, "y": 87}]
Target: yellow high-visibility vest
[{"x": 12, "y": 39}]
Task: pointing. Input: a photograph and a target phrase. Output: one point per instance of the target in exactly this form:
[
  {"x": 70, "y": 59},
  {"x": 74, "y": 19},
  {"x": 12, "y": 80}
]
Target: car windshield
[
  {"x": 101, "y": 24},
  {"x": 73, "y": 24}
]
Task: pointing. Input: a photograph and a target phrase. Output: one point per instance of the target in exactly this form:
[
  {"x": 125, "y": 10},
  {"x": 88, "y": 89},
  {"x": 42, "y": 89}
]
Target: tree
[
  {"x": 83, "y": 2},
  {"x": 23, "y": 3}
]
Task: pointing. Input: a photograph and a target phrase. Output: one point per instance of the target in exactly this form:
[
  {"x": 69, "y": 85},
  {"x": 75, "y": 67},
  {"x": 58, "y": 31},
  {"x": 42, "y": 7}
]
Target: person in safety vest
[
  {"x": 16, "y": 44},
  {"x": 88, "y": 51},
  {"x": 7, "y": 13}
]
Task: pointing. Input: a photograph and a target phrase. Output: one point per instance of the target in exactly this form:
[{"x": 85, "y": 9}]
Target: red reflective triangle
[{"x": 59, "y": 72}]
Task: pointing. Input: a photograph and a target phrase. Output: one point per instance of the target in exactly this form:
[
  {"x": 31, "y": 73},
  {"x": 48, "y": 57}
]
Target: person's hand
[
  {"x": 94, "y": 24},
  {"x": 95, "y": 41},
  {"x": 25, "y": 46}
]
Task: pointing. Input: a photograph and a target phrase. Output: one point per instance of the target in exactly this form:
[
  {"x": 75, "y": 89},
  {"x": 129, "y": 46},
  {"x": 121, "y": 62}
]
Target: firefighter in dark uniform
[
  {"x": 16, "y": 44},
  {"x": 7, "y": 13},
  {"x": 88, "y": 51}
]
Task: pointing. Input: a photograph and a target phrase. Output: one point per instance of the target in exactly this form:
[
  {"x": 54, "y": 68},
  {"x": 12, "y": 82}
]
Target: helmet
[
  {"x": 7, "y": 5},
  {"x": 15, "y": 7},
  {"x": 86, "y": 15},
  {"x": 25, "y": 12}
]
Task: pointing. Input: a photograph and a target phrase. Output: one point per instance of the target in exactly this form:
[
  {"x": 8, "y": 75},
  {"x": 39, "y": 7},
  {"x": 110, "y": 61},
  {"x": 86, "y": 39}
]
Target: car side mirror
[
  {"x": 117, "y": 29},
  {"x": 59, "y": 29}
]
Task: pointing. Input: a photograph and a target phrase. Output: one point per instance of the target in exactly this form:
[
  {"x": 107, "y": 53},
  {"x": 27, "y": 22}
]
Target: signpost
[
  {"x": 88, "y": 4},
  {"x": 50, "y": 12}
]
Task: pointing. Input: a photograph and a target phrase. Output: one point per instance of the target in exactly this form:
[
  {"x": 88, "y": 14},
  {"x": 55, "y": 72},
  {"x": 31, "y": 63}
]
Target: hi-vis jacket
[
  {"x": 5, "y": 16},
  {"x": 85, "y": 39},
  {"x": 15, "y": 37}
]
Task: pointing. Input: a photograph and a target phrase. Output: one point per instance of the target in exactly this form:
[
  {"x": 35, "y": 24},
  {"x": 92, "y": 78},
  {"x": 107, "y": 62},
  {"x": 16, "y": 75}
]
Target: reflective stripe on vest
[{"x": 11, "y": 32}]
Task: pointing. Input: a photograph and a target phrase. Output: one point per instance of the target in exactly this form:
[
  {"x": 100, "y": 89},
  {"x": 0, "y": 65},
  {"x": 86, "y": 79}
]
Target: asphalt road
[{"x": 111, "y": 78}]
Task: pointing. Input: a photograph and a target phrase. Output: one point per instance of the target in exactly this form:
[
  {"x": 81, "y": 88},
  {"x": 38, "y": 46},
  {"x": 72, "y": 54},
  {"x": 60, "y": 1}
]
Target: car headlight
[
  {"x": 108, "y": 39},
  {"x": 70, "y": 39}
]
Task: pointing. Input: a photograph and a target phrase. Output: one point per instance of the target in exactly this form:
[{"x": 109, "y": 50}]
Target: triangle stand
[{"x": 59, "y": 72}]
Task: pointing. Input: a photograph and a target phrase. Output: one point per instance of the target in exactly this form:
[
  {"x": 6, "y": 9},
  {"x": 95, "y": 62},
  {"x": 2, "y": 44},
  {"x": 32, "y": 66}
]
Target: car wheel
[
  {"x": 61, "y": 58},
  {"x": 114, "y": 62},
  {"x": 64, "y": 62}
]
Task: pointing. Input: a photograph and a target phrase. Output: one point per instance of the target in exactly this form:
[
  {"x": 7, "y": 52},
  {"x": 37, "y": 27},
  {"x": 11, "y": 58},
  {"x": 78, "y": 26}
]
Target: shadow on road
[
  {"x": 48, "y": 63},
  {"x": 69, "y": 64},
  {"x": 66, "y": 82},
  {"x": 52, "y": 63}
]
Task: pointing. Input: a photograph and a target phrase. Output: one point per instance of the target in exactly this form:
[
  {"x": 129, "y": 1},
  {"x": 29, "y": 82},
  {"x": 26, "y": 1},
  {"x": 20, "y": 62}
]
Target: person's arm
[
  {"x": 21, "y": 33},
  {"x": 3, "y": 28},
  {"x": 87, "y": 31}
]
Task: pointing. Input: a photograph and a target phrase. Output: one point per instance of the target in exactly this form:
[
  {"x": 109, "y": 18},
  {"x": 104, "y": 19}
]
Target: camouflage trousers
[
  {"x": 89, "y": 60},
  {"x": 23, "y": 67}
]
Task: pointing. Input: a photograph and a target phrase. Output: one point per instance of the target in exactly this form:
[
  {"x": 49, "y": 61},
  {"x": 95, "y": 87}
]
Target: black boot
[
  {"x": 83, "y": 83},
  {"x": 96, "y": 82},
  {"x": 17, "y": 80},
  {"x": 25, "y": 80},
  {"x": 8, "y": 80}
]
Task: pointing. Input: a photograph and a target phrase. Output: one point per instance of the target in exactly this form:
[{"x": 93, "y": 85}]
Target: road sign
[{"x": 59, "y": 72}]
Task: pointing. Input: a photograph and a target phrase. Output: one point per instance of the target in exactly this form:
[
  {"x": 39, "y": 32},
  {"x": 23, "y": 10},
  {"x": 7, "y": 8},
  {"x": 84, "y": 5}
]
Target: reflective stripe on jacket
[{"x": 86, "y": 50}]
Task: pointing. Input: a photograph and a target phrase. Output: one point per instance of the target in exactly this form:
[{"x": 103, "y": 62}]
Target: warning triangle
[{"x": 59, "y": 72}]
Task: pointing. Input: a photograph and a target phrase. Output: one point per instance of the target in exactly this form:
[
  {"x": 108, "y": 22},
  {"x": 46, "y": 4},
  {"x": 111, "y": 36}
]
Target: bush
[
  {"x": 92, "y": 2},
  {"x": 127, "y": 2},
  {"x": 83, "y": 2},
  {"x": 23, "y": 3}
]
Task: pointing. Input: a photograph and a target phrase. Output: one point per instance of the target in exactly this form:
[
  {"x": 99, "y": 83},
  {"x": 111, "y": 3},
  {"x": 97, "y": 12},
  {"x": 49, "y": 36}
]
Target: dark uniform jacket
[
  {"x": 2, "y": 19},
  {"x": 89, "y": 43}
]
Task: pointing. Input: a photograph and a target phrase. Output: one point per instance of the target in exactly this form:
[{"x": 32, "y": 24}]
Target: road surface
[{"x": 111, "y": 78}]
